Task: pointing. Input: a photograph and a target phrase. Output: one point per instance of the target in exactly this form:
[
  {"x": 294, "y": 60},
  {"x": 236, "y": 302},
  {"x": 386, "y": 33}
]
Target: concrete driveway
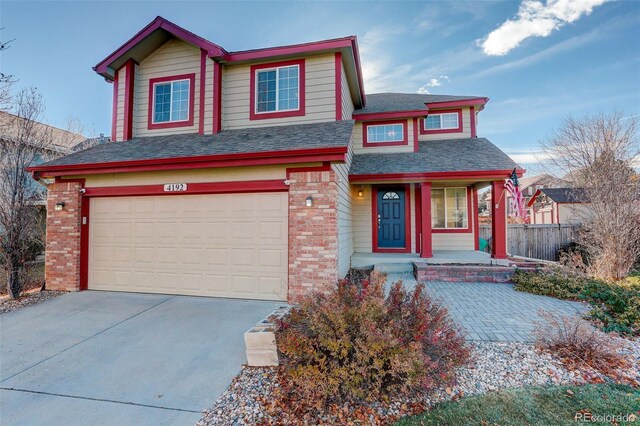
[{"x": 120, "y": 358}]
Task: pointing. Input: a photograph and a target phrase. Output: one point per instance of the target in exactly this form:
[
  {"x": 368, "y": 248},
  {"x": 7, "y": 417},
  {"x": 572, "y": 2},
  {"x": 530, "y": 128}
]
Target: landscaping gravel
[
  {"x": 7, "y": 304},
  {"x": 495, "y": 365}
]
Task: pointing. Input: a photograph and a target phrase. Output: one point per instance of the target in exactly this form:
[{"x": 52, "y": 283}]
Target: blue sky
[{"x": 538, "y": 61}]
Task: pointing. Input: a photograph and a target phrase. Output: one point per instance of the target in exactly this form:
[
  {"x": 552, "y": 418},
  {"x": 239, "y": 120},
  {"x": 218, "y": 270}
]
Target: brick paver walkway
[{"x": 493, "y": 312}]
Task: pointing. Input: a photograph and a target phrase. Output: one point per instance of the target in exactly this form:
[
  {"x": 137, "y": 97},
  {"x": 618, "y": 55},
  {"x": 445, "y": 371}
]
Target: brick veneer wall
[
  {"x": 463, "y": 273},
  {"x": 62, "y": 263},
  {"x": 313, "y": 233}
]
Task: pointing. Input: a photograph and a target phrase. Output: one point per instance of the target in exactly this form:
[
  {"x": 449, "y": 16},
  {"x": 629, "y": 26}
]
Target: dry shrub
[
  {"x": 579, "y": 345},
  {"x": 356, "y": 345}
]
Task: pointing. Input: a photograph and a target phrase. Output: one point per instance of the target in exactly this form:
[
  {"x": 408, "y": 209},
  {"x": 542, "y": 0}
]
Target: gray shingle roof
[
  {"x": 389, "y": 102},
  {"x": 566, "y": 195},
  {"x": 334, "y": 134},
  {"x": 436, "y": 156}
]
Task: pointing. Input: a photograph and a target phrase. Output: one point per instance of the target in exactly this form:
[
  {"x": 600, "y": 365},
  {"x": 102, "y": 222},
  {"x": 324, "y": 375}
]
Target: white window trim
[
  {"x": 443, "y": 128},
  {"x": 277, "y": 69},
  {"x": 386, "y": 141},
  {"x": 466, "y": 207},
  {"x": 153, "y": 115}
]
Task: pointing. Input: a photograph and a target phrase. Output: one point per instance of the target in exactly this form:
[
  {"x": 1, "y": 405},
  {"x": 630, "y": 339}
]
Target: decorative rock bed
[
  {"x": 494, "y": 366},
  {"x": 31, "y": 298}
]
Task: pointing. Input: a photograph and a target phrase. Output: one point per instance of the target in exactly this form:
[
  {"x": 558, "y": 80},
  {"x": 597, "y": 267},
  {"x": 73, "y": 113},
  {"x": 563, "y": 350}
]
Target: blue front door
[{"x": 391, "y": 218}]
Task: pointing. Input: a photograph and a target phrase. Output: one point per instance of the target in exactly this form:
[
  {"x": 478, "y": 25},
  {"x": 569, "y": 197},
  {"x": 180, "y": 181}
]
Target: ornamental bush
[{"x": 356, "y": 344}]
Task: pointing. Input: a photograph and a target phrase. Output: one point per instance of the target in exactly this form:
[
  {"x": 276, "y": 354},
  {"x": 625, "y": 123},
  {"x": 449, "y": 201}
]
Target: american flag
[{"x": 513, "y": 187}]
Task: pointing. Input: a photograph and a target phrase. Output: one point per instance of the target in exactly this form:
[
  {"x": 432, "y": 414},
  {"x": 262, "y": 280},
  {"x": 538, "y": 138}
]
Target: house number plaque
[{"x": 175, "y": 187}]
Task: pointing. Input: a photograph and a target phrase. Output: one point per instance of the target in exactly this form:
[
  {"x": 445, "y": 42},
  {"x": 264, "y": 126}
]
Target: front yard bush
[
  {"x": 615, "y": 305},
  {"x": 356, "y": 345}
]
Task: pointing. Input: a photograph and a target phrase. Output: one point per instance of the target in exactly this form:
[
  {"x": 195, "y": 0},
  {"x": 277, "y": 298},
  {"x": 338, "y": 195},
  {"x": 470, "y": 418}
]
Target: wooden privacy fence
[{"x": 536, "y": 241}]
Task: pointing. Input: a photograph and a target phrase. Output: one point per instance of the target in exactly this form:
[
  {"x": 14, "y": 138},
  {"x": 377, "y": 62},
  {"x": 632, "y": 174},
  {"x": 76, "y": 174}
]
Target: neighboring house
[
  {"x": 529, "y": 185},
  {"x": 90, "y": 142},
  {"x": 558, "y": 206},
  {"x": 58, "y": 143},
  {"x": 258, "y": 174}
]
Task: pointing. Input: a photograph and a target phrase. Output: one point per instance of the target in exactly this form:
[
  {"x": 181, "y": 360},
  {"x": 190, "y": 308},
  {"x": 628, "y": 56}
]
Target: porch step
[
  {"x": 463, "y": 273},
  {"x": 393, "y": 268}
]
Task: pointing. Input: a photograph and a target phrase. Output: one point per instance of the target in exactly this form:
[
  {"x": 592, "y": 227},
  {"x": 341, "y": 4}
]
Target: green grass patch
[{"x": 546, "y": 406}]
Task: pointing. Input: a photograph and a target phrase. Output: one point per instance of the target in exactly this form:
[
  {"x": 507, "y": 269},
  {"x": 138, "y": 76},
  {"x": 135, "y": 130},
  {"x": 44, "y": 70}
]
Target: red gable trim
[
  {"x": 533, "y": 198},
  {"x": 159, "y": 23},
  {"x": 203, "y": 77},
  {"x": 224, "y": 160},
  {"x": 451, "y": 104},
  {"x": 129, "y": 87},
  {"x": 275, "y": 185},
  {"x": 497, "y": 174},
  {"x": 114, "y": 111},
  {"x": 217, "y": 97}
]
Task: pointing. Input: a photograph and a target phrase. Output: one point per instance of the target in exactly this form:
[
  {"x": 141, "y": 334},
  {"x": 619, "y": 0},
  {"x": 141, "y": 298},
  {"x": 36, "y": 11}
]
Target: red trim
[
  {"x": 407, "y": 219},
  {"x": 192, "y": 90},
  {"x": 114, "y": 110},
  {"x": 472, "y": 121},
  {"x": 533, "y": 198},
  {"x": 253, "y": 115},
  {"x": 158, "y": 23},
  {"x": 129, "y": 86},
  {"x": 203, "y": 78},
  {"x": 416, "y": 145},
  {"x": 390, "y": 115},
  {"x": 459, "y": 129},
  {"x": 452, "y": 104},
  {"x": 425, "y": 221},
  {"x": 275, "y": 185},
  {"x": 84, "y": 242},
  {"x": 217, "y": 97},
  {"x": 466, "y": 230},
  {"x": 326, "y": 166},
  {"x": 436, "y": 175},
  {"x": 338, "y": 85},
  {"x": 178, "y": 163},
  {"x": 476, "y": 222},
  {"x": 418, "y": 218},
  {"x": 405, "y": 133},
  {"x": 498, "y": 220}
]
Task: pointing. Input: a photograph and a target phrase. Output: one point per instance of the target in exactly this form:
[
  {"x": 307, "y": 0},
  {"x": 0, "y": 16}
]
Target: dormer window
[
  {"x": 385, "y": 133},
  {"x": 277, "y": 90},
  {"x": 442, "y": 122},
  {"x": 171, "y": 101}
]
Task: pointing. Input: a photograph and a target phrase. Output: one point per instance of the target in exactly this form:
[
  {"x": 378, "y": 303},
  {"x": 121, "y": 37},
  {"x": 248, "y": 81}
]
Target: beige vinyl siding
[
  {"x": 347, "y": 102},
  {"x": 173, "y": 58},
  {"x": 570, "y": 213},
  {"x": 359, "y": 148},
  {"x": 453, "y": 241},
  {"x": 345, "y": 215},
  {"x": 208, "y": 98},
  {"x": 228, "y": 174},
  {"x": 120, "y": 104},
  {"x": 319, "y": 95},
  {"x": 466, "y": 129},
  {"x": 362, "y": 237}
]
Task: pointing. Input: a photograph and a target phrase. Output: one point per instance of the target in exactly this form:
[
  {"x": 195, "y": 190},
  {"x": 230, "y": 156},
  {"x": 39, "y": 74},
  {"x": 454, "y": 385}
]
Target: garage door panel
[{"x": 231, "y": 245}]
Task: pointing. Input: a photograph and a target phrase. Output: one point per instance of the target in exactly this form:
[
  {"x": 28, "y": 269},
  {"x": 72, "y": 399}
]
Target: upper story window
[
  {"x": 449, "y": 208},
  {"x": 171, "y": 101},
  {"x": 277, "y": 90},
  {"x": 385, "y": 133},
  {"x": 442, "y": 122}
]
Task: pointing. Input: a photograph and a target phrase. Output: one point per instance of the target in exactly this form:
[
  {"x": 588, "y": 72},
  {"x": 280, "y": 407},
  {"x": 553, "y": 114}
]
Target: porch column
[
  {"x": 498, "y": 220},
  {"x": 425, "y": 212}
]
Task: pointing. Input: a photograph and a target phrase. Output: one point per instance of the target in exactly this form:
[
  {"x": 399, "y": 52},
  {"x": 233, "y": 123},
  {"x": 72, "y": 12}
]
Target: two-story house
[{"x": 258, "y": 174}]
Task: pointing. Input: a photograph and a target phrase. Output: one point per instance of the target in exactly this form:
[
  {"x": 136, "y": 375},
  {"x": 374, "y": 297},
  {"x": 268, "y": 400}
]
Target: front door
[{"x": 391, "y": 218}]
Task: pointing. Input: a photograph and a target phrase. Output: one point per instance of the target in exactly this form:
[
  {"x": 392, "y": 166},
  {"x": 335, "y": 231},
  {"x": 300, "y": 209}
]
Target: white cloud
[
  {"x": 535, "y": 19},
  {"x": 433, "y": 82}
]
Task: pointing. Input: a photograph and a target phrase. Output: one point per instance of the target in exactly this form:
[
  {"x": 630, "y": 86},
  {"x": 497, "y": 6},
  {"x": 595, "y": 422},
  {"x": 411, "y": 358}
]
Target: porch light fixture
[
  {"x": 360, "y": 192},
  {"x": 59, "y": 206},
  {"x": 309, "y": 201}
]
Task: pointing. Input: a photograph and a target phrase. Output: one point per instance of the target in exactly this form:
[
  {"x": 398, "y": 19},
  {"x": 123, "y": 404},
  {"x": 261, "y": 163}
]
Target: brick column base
[
  {"x": 62, "y": 261},
  {"x": 313, "y": 233}
]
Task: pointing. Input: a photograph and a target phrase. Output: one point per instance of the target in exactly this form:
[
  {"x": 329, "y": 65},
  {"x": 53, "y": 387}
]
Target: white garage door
[{"x": 227, "y": 245}]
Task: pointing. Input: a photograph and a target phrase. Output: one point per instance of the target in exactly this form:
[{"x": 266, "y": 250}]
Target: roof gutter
[
  {"x": 337, "y": 154},
  {"x": 429, "y": 176}
]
